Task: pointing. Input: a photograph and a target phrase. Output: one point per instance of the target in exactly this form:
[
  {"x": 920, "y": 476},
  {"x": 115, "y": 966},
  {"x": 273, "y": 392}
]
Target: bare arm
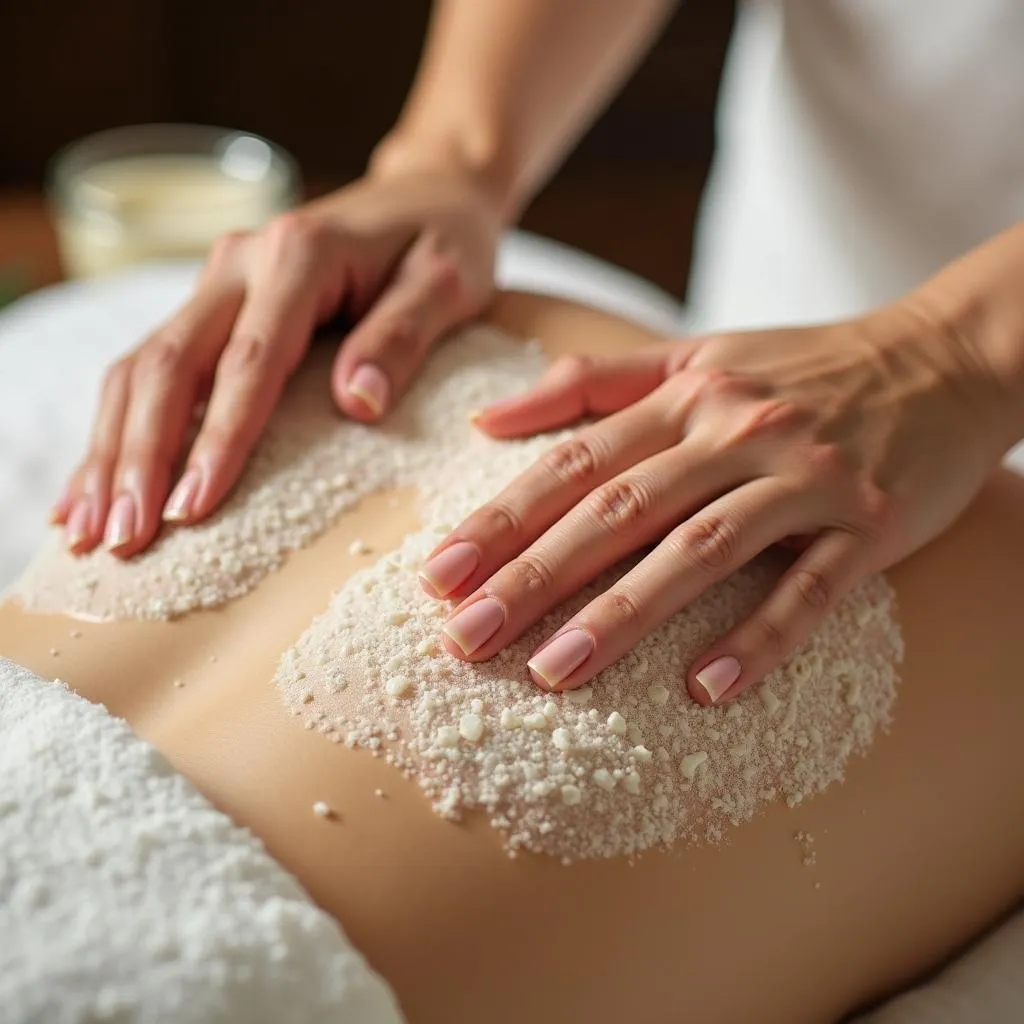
[{"x": 505, "y": 89}]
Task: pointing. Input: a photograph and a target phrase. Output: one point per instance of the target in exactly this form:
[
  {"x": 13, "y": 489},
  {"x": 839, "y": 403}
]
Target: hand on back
[{"x": 407, "y": 256}]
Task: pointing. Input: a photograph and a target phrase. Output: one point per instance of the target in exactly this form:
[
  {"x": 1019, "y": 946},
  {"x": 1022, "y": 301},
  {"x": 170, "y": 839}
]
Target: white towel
[{"x": 125, "y": 895}]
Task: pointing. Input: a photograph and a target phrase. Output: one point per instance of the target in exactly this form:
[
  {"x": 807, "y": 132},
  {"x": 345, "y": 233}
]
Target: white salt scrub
[
  {"x": 629, "y": 761},
  {"x": 309, "y": 467}
]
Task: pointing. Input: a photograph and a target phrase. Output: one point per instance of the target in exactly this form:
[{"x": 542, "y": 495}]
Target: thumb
[
  {"x": 381, "y": 356},
  {"x": 574, "y": 387}
]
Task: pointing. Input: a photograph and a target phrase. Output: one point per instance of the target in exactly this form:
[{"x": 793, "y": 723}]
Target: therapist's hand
[
  {"x": 408, "y": 254},
  {"x": 864, "y": 440}
]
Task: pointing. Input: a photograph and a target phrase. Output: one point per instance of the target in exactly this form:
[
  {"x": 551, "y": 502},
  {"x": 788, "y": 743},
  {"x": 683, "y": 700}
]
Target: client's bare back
[{"x": 823, "y": 905}]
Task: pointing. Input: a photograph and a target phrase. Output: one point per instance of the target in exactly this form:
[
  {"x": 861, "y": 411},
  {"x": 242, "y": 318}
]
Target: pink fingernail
[
  {"x": 79, "y": 523},
  {"x": 179, "y": 504},
  {"x": 716, "y": 677},
  {"x": 445, "y": 571},
  {"x": 370, "y": 384},
  {"x": 121, "y": 522},
  {"x": 474, "y": 626},
  {"x": 550, "y": 665}
]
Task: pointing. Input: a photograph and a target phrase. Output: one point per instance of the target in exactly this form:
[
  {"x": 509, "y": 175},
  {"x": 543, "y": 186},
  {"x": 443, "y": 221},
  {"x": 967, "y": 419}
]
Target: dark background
[{"x": 325, "y": 79}]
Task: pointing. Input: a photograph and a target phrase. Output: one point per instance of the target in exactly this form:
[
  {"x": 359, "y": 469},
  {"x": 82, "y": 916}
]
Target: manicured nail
[
  {"x": 370, "y": 384},
  {"x": 445, "y": 571},
  {"x": 121, "y": 522},
  {"x": 474, "y": 626},
  {"x": 78, "y": 523},
  {"x": 179, "y": 504},
  {"x": 718, "y": 676},
  {"x": 550, "y": 665}
]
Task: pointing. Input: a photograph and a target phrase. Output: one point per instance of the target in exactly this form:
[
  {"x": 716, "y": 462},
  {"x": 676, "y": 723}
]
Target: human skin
[
  {"x": 919, "y": 848},
  {"x": 865, "y": 439},
  {"x": 407, "y": 252}
]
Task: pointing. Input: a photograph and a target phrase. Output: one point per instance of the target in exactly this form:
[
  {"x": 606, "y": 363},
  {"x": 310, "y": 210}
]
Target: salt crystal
[
  {"x": 398, "y": 686},
  {"x": 571, "y": 794},
  {"x": 471, "y": 727},
  {"x": 770, "y": 701},
  {"x": 581, "y": 695},
  {"x": 322, "y": 810},
  {"x": 397, "y": 618},
  {"x": 448, "y": 736},
  {"x": 510, "y": 720},
  {"x": 550, "y": 709},
  {"x": 659, "y": 694},
  {"x": 616, "y": 724},
  {"x": 561, "y": 739},
  {"x": 691, "y": 763},
  {"x": 631, "y": 783},
  {"x": 604, "y": 778},
  {"x": 641, "y": 753},
  {"x": 358, "y": 547},
  {"x": 535, "y": 720}
]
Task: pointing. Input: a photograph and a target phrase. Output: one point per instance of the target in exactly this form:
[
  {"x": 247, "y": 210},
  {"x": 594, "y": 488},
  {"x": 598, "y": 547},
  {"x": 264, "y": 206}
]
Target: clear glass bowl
[{"x": 163, "y": 191}]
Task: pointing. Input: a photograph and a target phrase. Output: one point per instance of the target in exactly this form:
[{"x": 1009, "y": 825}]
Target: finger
[
  {"x": 630, "y": 511},
  {"x": 574, "y": 387},
  {"x": 382, "y": 355},
  {"x": 538, "y": 498},
  {"x": 807, "y": 592},
  {"x": 168, "y": 373},
  {"x": 706, "y": 548},
  {"x": 89, "y": 490},
  {"x": 268, "y": 342}
]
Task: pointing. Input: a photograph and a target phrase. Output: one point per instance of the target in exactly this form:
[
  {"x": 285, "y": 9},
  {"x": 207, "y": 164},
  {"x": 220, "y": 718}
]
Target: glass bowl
[{"x": 163, "y": 191}]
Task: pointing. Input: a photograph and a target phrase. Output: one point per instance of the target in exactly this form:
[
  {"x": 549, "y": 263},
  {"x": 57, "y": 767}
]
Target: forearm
[
  {"x": 979, "y": 301},
  {"x": 506, "y": 88}
]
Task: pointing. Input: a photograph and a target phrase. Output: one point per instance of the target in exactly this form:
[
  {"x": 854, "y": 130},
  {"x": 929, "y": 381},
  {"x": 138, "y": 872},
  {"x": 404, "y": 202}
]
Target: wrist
[
  {"x": 976, "y": 306},
  {"x": 472, "y": 157}
]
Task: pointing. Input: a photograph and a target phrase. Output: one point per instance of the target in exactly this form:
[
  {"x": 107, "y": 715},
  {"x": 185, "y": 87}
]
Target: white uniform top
[{"x": 862, "y": 144}]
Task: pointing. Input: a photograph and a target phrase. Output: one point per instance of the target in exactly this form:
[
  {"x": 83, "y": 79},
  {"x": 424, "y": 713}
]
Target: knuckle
[
  {"x": 530, "y": 573},
  {"x": 401, "y": 338},
  {"x": 764, "y": 418},
  {"x": 572, "y": 461},
  {"x": 291, "y": 230},
  {"x": 769, "y": 637},
  {"x": 622, "y": 608},
  {"x": 814, "y": 589},
  {"x": 165, "y": 354},
  {"x": 248, "y": 354},
  {"x": 709, "y": 542},
  {"x": 498, "y": 523},
  {"x": 225, "y": 248},
  {"x": 826, "y": 461},
  {"x": 877, "y": 509},
  {"x": 621, "y": 504},
  {"x": 573, "y": 367}
]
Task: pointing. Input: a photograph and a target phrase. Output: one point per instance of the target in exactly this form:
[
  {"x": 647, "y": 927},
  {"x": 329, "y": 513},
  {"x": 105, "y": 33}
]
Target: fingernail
[
  {"x": 718, "y": 676},
  {"x": 179, "y": 504},
  {"x": 550, "y": 665},
  {"x": 474, "y": 626},
  {"x": 474, "y": 415},
  {"x": 370, "y": 384},
  {"x": 121, "y": 522},
  {"x": 78, "y": 524},
  {"x": 445, "y": 571}
]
